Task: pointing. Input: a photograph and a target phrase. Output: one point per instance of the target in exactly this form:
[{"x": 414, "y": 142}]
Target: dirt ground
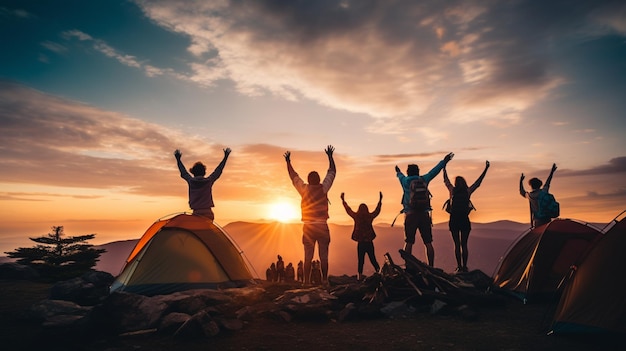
[{"x": 511, "y": 327}]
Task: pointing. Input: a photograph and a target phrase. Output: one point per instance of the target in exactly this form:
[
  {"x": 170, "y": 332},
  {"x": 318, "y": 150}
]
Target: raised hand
[
  {"x": 329, "y": 150},
  {"x": 342, "y": 197},
  {"x": 177, "y": 154},
  {"x": 287, "y": 156}
]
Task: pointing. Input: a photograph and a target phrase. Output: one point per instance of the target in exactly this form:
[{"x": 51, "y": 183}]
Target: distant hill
[
  {"x": 113, "y": 259},
  {"x": 261, "y": 242},
  {"x": 488, "y": 242}
]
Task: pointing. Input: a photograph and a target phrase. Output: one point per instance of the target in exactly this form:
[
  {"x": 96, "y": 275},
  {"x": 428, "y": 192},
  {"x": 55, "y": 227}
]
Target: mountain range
[{"x": 260, "y": 243}]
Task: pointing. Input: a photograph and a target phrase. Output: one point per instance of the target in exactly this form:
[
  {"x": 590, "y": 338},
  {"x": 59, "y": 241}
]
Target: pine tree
[{"x": 57, "y": 257}]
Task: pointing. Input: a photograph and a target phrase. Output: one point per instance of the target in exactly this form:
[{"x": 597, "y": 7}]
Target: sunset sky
[{"x": 96, "y": 95}]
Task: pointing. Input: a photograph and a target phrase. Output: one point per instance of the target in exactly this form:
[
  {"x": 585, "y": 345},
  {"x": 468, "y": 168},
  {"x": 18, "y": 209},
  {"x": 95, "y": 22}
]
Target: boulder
[
  {"x": 16, "y": 271},
  {"x": 87, "y": 290},
  {"x": 49, "y": 308},
  {"x": 199, "y": 325},
  {"x": 123, "y": 312},
  {"x": 171, "y": 322}
]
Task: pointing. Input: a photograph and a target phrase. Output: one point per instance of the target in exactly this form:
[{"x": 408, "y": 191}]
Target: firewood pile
[{"x": 421, "y": 287}]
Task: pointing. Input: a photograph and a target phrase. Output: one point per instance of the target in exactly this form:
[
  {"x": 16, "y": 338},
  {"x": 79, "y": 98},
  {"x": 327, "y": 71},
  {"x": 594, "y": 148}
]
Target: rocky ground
[{"x": 501, "y": 326}]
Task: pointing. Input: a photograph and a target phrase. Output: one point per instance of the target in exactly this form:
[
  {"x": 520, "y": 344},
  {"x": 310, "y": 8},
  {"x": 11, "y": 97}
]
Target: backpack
[
  {"x": 419, "y": 196},
  {"x": 459, "y": 204},
  {"x": 547, "y": 206}
]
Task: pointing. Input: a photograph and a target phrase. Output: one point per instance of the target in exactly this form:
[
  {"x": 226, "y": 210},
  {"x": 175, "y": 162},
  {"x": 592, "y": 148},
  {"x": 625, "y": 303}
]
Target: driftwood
[{"x": 421, "y": 285}]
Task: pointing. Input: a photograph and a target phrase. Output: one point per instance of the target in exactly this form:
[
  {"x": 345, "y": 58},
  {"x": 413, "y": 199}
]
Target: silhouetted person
[
  {"x": 533, "y": 195},
  {"x": 300, "y": 272},
  {"x": 290, "y": 273},
  {"x": 418, "y": 219},
  {"x": 314, "y": 206},
  {"x": 316, "y": 272},
  {"x": 272, "y": 272},
  {"x": 280, "y": 269},
  {"x": 201, "y": 187},
  {"x": 269, "y": 275},
  {"x": 363, "y": 233},
  {"x": 460, "y": 207}
]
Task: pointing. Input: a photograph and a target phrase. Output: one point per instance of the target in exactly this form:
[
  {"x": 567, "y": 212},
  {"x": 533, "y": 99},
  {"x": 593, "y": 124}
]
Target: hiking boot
[
  {"x": 458, "y": 269},
  {"x": 464, "y": 269}
]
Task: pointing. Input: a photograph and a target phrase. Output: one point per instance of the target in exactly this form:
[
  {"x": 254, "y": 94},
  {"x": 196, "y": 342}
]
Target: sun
[{"x": 283, "y": 212}]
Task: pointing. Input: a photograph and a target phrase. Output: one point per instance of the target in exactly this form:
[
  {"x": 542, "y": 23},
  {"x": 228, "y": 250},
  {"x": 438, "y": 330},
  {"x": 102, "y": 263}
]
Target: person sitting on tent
[
  {"x": 533, "y": 195},
  {"x": 314, "y": 206},
  {"x": 363, "y": 233},
  {"x": 459, "y": 209},
  {"x": 201, "y": 187}
]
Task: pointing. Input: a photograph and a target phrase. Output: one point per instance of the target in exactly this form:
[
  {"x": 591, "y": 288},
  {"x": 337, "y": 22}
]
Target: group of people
[
  {"x": 278, "y": 272},
  {"x": 415, "y": 207}
]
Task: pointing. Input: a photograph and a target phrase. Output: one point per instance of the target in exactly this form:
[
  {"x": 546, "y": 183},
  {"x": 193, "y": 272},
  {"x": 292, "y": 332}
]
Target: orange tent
[{"x": 181, "y": 253}]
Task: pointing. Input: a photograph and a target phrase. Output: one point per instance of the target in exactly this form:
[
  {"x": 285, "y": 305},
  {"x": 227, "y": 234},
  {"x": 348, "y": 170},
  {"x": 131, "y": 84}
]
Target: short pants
[{"x": 418, "y": 220}]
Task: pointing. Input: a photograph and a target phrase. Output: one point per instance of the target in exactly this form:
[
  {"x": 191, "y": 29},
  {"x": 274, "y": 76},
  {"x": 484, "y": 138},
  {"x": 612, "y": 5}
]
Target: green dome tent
[{"x": 182, "y": 253}]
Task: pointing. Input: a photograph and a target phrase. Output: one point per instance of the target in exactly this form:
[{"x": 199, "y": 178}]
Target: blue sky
[{"x": 95, "y": 96}]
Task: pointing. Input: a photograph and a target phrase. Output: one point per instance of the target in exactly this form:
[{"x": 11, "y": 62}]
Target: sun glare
[{"x": 283, "y": 212}]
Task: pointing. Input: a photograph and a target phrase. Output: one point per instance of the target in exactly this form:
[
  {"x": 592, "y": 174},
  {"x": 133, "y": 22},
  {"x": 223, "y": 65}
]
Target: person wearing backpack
[
  {"x": 314, "y": 206},
  {"x": 416, "y": 205},
  {"x": 538, "y": 216},
  {"x": 459, "y": 207},
  {"x": 363, "y": 233}
]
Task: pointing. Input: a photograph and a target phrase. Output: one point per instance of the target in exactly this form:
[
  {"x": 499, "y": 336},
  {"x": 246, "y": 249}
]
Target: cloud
[
  {"x": 393, "y": 157},
  {"x": 109, "y": 51},
  {"x": 54, "y": 47},
  {"x": 480, "y": 60},
  {"x": 55, "y": 142},
  {"x": 17, "y": 13},
  {"x": 615, "y": 165}
]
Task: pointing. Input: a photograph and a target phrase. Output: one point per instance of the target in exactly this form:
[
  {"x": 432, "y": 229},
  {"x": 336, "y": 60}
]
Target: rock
[
  {"x": 347, "y": 313},
  {"x": 312, "y": 303},
  {"x": 123, "y": 312},
  {"x": 16, "y": 271},
  {"x": 229, "y": 323},
  {"x": 87, "y": 290},
  {"x": 437, "y": 306},
  {"x": 397, "y": 309},
  {"x": 171, "y": 322},
  {"x": 63, "y": 321},
  {"x": 48, "y": 309},
  {"x": 199, "y": 325}
]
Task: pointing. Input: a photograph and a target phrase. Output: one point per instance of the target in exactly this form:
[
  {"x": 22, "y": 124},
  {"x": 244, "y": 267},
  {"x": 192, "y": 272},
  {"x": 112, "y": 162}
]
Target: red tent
[
  {"x": 536, "y": 264},
  {"x": 594, "y": 299}
]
